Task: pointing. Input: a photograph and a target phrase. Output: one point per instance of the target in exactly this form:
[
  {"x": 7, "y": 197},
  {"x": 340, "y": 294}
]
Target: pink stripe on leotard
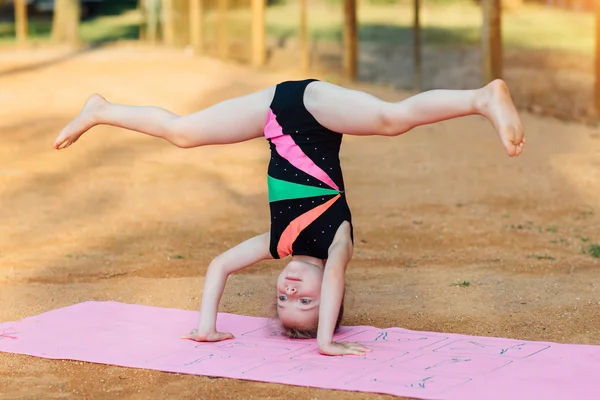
[{"x": 289, "y": 150}]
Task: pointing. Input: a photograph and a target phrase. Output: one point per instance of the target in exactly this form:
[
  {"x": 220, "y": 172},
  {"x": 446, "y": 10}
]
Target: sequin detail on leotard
[{"x": 305, "y": 181}]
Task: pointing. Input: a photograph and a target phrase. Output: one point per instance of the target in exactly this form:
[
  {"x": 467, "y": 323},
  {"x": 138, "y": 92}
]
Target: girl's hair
[{"x": 310, "y": 333}]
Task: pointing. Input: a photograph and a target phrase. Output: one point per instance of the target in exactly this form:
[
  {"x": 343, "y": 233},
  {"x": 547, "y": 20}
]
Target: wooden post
[
  {"x": 597, "y": 94},
  {"x": 350, "y": 40},
  {"x": 168, "y": 22},
  {"x": 152, "y": 19},
  {"x": 417, "y": 46},
  {"x": 303, "y": 36},
  {"x": 222, "y": 28},
  {"x": 259, "y": 51},
  {"x": 143, "y": 20},
  {"x": 197, "y": 25},
  {"x": 74, "y": 23},
  {"x": 181, "y": 23},
  {"x": 491, "y": 35},
  {"x": 65, "y": 21},
  {"x": 21, "y": 21}
]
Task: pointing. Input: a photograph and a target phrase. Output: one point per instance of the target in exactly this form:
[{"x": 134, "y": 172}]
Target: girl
[{"x": 310, "y": 218}]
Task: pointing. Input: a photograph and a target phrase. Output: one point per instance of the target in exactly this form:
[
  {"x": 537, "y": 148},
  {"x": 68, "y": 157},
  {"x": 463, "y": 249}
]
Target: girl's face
[{"x": 299, "y": 294}]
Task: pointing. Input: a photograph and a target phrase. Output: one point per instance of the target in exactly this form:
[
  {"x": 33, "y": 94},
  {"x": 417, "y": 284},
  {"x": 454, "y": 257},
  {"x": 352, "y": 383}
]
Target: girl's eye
[
  {"x": 282, "y": 297},
  {"x": 305, "y": 301}
]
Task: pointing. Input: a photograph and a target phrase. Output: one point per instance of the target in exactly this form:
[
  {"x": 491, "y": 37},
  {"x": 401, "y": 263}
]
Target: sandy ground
[{"x": 109, "y": 219}]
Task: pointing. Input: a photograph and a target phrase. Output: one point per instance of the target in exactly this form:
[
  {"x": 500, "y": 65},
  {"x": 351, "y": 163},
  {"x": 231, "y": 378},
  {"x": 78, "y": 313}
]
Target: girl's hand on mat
[
  {"x": 213, "y": 336},
  {"x": 343, "y": 348}
]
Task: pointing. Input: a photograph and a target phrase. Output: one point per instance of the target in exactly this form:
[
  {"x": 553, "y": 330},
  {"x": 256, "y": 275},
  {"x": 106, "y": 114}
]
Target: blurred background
[{"x": 547, "y": 46}]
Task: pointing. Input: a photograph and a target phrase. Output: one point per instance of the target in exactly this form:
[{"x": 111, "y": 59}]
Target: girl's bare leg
[
  {"x": 230, "y": 121},
  {"x": 357, "y": 113}
]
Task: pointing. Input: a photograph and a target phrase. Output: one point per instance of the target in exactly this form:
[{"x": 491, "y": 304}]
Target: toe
[{"x": 511, "y": 149}]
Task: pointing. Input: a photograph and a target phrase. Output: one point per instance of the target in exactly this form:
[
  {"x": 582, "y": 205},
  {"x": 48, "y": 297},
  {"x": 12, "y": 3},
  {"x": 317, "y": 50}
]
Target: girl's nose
[{"x": 290, "y": 289}]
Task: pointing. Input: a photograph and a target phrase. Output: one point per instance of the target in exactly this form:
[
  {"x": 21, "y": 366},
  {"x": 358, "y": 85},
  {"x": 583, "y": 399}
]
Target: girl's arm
[
  {"x": 332, "y": 293},
  {"x": 239, "y": 257}
]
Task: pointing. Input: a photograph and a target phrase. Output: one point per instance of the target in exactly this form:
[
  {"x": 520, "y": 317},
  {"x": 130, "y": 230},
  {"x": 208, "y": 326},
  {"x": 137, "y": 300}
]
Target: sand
[{"x": 125, "y": 217}]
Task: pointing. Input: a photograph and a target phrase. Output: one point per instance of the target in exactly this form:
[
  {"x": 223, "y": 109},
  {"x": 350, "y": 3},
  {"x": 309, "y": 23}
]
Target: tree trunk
[{"x": 65, "y": 25}]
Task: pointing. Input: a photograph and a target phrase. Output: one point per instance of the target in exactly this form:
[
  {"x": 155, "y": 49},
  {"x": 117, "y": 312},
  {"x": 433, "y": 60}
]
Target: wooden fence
[{"x": 204, "y": 25}]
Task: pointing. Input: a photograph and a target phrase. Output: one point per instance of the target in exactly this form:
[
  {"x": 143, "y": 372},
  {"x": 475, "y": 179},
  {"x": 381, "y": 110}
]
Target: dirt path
[{"x": 110, "y": 218}]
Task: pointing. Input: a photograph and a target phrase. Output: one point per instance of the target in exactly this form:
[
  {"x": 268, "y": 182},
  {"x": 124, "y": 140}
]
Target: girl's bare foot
[
  {"x": 87, "y": 118},
  {"x": 495, "y": 103}
]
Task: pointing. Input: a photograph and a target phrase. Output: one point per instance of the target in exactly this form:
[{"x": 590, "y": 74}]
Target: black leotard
[{"x": 306, "y": 187}]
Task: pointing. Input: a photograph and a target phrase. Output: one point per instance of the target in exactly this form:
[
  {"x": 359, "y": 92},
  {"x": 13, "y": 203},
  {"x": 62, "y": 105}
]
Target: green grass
[
  {"x": 462, "y": 284},
  {"x": 111, "y": 28},
  {"x": 541, "y": 257},
  {"x": 527, "y": 225},
  {"x": 594, "y": 250}
]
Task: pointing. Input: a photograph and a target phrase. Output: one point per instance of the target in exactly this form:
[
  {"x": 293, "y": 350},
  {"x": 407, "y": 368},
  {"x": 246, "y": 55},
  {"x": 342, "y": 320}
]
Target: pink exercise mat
[{"x": 422, "y": 365}]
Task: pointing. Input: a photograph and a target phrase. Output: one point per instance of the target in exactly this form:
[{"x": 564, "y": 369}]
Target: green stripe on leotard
[{"x": 283, "y": 190}]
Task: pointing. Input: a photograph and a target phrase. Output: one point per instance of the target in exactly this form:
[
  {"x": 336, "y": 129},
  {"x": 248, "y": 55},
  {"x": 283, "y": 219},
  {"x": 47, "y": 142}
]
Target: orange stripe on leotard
[{"x": 291, "y": 232}]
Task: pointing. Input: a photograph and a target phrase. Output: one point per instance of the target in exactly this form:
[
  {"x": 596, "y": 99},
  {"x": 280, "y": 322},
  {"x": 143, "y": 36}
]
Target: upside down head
[{"x": 299, "y": 298}]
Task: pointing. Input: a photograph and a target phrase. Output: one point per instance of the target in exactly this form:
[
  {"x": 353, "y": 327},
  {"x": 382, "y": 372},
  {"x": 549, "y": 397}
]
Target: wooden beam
[
  {"x": 21, "y": 21},
  {"x": 197, "y": 25},
  {"x": 303, "y": 37},
  {"x": 222, "y": 28},
  {"x": 259, "y": 48},
  {"x": 417, "y": 46},
  {"x": 350, "y": 40},
  {"x": 491, "y": 35},
  {"x": 597, "y": 94}
]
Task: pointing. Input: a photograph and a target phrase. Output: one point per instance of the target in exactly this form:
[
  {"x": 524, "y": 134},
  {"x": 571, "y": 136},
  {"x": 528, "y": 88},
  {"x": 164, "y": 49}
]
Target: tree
[{"x": 65, "y": 25}]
